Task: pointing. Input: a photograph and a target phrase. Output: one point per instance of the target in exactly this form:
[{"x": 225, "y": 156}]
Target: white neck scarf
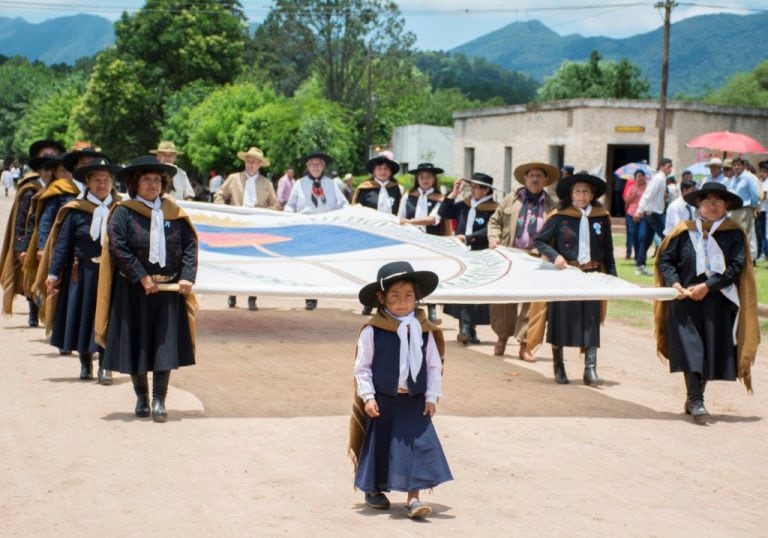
[
  {"x": 385, "y": 202},
  {"x": 411, "y": 357},
  {"x": 585, "y": 253},
  {"x": 100, "y": 214},
  {"x": 422, "y": 207},
  {"x": 709, "y": 255},
  {"x": 156, "y": 232},
  {"x": 249, "y": 197},
  {"x": 472, "y": 215}
]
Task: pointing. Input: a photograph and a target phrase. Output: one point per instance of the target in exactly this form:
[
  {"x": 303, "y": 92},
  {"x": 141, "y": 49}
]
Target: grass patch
[{"x": 635, "y": 313}]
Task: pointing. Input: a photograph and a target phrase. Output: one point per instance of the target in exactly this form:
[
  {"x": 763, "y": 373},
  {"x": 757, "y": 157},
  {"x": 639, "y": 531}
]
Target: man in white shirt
[
  {"x": 315, "y": 193},
  {"x": 652, "y": 204},
  {"x": 715, "y": 166},
  {"x": 181, "y": 188},
  {"x": 679, "y": 210},
  {"x": 761, "y": 222}
]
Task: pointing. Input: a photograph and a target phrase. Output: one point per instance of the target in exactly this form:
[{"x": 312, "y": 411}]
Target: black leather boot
[
  {"x": 232, "y": 301},
  {"x": 86, "y": 366},
  {"x": 141, "y": 388},
  {"x": 558, "y": 365},
  {"x": 432, "y": 313},
  {"x": 104, "y": 376},
  {"x": 463, "y": 335},
  {"x": 310, "y": 304},
  {"x": 473, "y": 339},
  {"x": 694, "y": 403},
  {"x": 252, "y": 304},
  {"x": 367, "y": 311},
  {"x": 33, "y": 320},
  {"x": 159, "y": 390},
  {"x": 590, "y": 367}
]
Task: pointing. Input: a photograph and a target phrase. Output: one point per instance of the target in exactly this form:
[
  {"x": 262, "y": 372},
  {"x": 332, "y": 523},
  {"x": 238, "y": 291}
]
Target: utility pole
[
  {"x": 667, "y": 5},
  {"x": 369, "y": 107}
]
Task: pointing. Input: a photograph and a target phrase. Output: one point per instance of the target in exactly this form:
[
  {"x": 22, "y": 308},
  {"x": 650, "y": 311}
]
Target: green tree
[
  {"x": 121, "y": 108},
  {"x": 594, "y": 79},
  {"x": 21, "y": 82},
  {"x": 336, "y": 40},
  {"x": 158, "y": 51},
  {"x": 216, "y": 126},
  {"x": 743, "y": 89},
  {"x": 49, "y": 115}
]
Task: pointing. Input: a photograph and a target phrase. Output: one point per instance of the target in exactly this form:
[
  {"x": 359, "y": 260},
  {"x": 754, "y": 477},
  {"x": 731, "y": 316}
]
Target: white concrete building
[
  {"x": 414, "y": 144},
  {"x": 590, "y": 134}
]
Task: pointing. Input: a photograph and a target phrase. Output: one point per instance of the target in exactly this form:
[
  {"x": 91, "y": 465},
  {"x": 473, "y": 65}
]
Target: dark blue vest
[
  {"x": 410, "y": 212},
  {"x": 386, "y": 364}
]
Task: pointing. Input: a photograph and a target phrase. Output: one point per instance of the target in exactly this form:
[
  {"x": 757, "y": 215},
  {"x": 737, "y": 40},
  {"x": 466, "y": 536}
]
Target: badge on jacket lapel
[{"x": 598, "y": 228}]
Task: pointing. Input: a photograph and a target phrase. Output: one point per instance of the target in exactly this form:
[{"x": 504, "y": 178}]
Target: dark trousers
[
  {"x": 760, "y": 230},
  {"x": 654, "y": 225}
]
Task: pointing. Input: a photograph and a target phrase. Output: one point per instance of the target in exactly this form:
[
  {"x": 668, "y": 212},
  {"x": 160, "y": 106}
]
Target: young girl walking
[{"x": 398, "y": 374}]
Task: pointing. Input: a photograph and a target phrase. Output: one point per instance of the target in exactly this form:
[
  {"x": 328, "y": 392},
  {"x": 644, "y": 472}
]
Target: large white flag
[{"x": 263, "y": 252}]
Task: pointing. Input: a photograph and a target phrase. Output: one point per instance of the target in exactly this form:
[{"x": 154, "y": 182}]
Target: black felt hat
[
  {"x": 481, "y": 179},
  {"x": 426, "y": 281},
  {"x": 145, "y": 163},
  {"x": 426, "y": 167},
  {"x": 565, "y": 185},
  {"x": 382, "y": 159},
  {"x": 81, "y": 173},
  {"x": 70, "y": 161},
  {"x": 732, "y": 201},
  {"x": 316, "y": 155},
  {"x": 34, "y": 161},
  {"x": 52, "y": 161}
]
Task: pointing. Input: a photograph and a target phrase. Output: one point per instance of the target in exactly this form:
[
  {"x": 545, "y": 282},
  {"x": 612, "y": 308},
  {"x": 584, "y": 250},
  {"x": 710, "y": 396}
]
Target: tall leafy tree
[
  {"x": 159, "y": 50},
  {"x": 595, "y": 79},
  {"x": 21, "y": 82},
  {"x": 337, "y": 40},
  {"x": 743, "y": 89}
]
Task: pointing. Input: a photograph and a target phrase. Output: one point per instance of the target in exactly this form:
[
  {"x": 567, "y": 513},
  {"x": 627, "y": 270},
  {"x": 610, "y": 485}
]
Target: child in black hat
[{"x": 398, "y": 375}]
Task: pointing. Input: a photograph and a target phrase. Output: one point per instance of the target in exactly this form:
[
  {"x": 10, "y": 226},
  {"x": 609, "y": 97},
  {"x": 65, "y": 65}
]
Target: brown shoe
[
  {"x": 500, "y": 347},
  {"x": 524, "y": 354}
]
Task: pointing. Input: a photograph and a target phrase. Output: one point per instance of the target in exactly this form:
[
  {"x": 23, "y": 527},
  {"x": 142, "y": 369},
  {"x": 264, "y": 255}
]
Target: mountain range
[
  {"x": 704, "y": 50},
  {"x": 59, "y": 40}
]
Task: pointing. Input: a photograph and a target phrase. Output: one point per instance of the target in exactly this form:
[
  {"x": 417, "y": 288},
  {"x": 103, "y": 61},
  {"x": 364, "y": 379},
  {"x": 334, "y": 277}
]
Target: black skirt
[
  {"x": 76, "y": 310},
  {"x": 573, "y": 323},
  {"x": 400, "y": 450},
  {"x": 146, "y": 333},
  {"x": 700, "y": 336}
]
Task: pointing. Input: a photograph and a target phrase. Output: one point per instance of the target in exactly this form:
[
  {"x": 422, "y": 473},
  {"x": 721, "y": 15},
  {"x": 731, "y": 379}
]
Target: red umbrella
[{"x": 727, "y": 141}]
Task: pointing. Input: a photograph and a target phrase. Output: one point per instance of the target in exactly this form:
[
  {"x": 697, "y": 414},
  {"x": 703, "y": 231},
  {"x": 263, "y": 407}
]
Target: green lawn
[{"x": 639, "y": 313}]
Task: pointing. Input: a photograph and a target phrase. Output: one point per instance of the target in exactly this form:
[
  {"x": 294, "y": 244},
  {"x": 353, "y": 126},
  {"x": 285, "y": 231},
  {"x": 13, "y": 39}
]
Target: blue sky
[{"x": 444, "y": 24}]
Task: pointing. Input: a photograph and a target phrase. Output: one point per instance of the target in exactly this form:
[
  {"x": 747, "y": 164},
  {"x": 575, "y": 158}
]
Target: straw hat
[
  {"x": 552, "y": 173},
  {"x": 254, "y": 152},
  {"x": 166, "y": 146}
]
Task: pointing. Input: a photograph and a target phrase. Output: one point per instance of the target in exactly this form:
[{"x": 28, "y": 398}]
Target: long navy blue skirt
[
  {"x": 146, "y": 333},
  {"x": 400, "y": 450},
  {"x": 76, "y": 310}
]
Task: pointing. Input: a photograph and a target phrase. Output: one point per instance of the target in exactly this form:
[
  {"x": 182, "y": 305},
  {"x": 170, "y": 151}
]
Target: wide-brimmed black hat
[
  {"x": 426, "y": 281},
  {"x": 426, "y": 167},
  {"x": 70, "y": 161},
  {"x": 52, "y": 161},
  {"x": 316, "y": 155},
  {"x": 37, "y": 145},
  {"x": 565, "y": 185},
  {"x": 81, "y": 173},
  {"x": 145, "y": 163},
  {"x": 34, "y": 161},
  {"x": 732, "y": 201},
  {"x": 481, "y": 179},
  {"x": 382, "y": 159}
]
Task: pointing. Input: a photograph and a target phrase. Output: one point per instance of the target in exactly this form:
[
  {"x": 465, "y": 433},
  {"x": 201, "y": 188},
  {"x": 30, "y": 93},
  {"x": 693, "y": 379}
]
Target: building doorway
[{"x": 618, "y": 155}]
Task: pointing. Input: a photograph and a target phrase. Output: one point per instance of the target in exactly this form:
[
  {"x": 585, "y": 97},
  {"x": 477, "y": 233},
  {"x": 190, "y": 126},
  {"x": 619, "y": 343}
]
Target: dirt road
[{"x": 256, "y": 440}]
